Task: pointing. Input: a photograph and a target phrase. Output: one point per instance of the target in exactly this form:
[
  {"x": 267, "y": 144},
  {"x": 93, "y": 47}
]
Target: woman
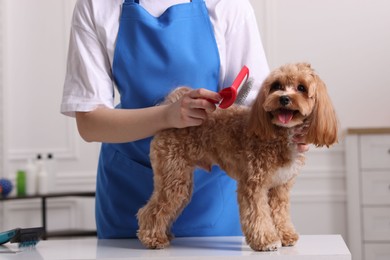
[{"x": 147, "y": 49}]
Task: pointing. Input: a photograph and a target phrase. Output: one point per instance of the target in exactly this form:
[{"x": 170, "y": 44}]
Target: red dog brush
[{"x": 229, "y": 94}]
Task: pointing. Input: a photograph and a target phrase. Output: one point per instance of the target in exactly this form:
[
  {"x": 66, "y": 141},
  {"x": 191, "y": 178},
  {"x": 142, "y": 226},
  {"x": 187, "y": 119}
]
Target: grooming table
[{"x": 311, "y": 247}]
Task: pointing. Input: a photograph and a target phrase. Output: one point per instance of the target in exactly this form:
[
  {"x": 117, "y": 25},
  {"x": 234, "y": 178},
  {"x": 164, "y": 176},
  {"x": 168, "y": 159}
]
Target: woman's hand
[{"x": 192, "y": 108}]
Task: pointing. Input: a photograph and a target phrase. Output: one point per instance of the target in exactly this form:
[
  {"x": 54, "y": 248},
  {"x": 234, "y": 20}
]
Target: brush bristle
[
  {"x": 28, "y": 244},
  {"x": 244, "y": 92}
]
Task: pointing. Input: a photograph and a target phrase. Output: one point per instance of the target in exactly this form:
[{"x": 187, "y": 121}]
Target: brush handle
[
  {"x": 229, "y": 95},
  {"x": 7, "y": 235},
  {"x": 241, "y": 78}
]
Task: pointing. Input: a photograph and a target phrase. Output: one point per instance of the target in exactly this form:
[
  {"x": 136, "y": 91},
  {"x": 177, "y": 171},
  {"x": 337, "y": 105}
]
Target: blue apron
[{"x": 152, "y": 57}]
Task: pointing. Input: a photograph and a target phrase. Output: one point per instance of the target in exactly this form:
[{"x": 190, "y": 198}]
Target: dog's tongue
[{"x": 285, "y": 116}]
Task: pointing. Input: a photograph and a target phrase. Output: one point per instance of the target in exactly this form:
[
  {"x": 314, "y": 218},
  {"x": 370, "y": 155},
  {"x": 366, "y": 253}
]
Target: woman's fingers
[
  {"x": 192, "y": 108},
  {"x": 204, "y": 94}
]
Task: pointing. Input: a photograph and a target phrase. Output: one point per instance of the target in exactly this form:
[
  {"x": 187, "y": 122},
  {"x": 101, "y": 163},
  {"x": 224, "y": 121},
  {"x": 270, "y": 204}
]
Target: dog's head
[{"x": 293, "y": 95}]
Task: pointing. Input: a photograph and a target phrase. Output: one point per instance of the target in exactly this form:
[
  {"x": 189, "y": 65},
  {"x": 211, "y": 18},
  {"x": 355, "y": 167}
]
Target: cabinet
[{"x": 368, "y": 189}]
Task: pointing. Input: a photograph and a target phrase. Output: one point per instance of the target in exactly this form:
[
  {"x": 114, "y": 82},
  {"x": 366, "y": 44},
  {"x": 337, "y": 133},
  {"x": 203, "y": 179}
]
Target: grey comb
[{"x": 244, "y": 92}]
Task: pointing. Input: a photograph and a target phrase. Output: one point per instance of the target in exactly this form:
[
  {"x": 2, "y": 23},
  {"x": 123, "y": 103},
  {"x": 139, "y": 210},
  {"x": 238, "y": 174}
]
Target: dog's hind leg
[
  {"x": 279, "y": 201},
  {"x": 255, "y": 215},
  {"x": 173, "y": 186}
]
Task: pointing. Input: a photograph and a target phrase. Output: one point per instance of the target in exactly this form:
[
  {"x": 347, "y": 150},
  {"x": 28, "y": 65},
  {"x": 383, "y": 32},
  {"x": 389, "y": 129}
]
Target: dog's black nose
[{"x": 284, "y": 100}]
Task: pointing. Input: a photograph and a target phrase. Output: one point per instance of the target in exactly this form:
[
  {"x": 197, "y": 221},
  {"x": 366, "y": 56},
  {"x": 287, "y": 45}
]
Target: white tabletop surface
[{"x": 308, "y": 247}]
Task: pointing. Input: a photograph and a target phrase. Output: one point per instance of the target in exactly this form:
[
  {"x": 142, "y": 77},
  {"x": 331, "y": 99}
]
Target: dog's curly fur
[{"x": 254, "y": 146}]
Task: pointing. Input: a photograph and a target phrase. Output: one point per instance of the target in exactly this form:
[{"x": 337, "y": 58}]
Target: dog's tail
[{"x": 175, "y": 95}]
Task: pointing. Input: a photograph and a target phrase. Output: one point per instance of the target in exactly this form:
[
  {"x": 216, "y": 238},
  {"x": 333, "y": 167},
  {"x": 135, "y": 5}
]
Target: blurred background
[{"x": 346, "y": 41}]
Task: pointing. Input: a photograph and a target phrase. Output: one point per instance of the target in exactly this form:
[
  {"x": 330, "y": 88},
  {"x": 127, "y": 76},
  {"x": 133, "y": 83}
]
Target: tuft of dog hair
[{"x": 253, "y": 145}]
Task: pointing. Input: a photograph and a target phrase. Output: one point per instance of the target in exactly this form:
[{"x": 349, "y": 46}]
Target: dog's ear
[
  {"x": 323, "y": 128},
  {"x": 260, "y": 121}
]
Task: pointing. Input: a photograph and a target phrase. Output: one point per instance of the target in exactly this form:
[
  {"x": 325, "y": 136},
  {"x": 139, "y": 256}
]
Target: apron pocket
[
  {"x": 130, "y": 185},
  {"x": 206, "y": 206}
]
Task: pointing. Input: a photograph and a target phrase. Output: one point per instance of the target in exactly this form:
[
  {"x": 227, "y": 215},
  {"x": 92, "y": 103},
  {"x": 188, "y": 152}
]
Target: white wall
[
  {"x": 34, "y": 48},
  {"x": 347, "y": 41}
]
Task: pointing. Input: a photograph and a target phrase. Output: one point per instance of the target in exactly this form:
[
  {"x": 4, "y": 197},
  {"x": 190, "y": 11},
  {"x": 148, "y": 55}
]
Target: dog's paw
[
  {"x": 273, "y": 246},
  {"x": 289, "y": 239},
  {"x": 154, "y": 240},
  {"x": 264, "y": 242}
]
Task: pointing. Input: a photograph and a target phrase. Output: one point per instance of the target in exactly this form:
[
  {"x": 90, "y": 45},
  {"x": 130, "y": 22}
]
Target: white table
[{"x": 322, "y": 247}]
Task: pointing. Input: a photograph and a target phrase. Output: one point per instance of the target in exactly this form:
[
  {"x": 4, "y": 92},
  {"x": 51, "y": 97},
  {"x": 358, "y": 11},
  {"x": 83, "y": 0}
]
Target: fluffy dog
[{"x": 255, "y": 148}]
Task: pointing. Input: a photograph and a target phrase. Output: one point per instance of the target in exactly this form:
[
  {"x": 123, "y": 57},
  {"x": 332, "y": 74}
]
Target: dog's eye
[
  {"x": 301, "y": 88},
  {"x": 276, "y": 86}
]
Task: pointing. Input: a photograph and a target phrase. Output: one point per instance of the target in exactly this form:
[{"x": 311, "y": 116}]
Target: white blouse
[{"x": 89, "y": 82}]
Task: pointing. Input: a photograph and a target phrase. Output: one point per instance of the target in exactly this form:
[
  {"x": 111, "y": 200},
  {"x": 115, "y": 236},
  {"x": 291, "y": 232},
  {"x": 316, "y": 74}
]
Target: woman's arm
[{"x": 126, "y": 125}]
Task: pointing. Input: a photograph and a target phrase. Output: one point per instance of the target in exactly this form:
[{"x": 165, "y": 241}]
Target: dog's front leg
[
  {"x": 279, "y": 201},
  {"x": 255, "y": 215}
]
